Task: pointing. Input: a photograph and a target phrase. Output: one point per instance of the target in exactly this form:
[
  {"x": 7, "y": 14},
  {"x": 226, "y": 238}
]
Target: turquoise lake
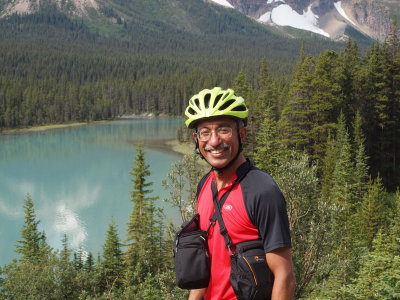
[{"x": 78, "y": 178}]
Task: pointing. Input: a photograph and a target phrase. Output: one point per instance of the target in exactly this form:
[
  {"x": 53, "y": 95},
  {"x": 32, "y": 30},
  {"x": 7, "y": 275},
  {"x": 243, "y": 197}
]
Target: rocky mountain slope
[{"x": 330, "y": 18}]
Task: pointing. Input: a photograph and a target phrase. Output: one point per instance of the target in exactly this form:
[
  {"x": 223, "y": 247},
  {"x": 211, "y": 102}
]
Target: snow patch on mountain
[
  {"x": 223, "y": 3},
  {"x": 284, "y": 15},
  {"x": 338, "y": 6},
  {"x": 265, "y": 18}
]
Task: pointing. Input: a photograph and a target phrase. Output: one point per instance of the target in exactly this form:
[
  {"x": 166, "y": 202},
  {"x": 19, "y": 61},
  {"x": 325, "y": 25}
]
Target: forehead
[{"x": 218, "y": 121}]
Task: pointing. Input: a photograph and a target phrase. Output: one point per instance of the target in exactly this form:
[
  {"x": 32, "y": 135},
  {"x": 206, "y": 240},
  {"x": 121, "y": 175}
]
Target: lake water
[{"x": 78, "y": 178}]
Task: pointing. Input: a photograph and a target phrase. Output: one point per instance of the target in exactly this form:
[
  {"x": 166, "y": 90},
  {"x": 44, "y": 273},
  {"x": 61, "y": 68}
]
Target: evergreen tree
[
  {"x": 361, "y": 165},
  {"x": 30, "y": 245},
  {"x": 379, "y": 274},
  {"x": 326, "y": 102},
  {"x": 113, "y": 261},
  {"x": 328, "y": 168},
  {"x": 375, "y": 87},
  {"x": 348, "y": 75},
  {"x": 270, "y": 152},
  {"x": 373, "y": 211},
  {"x": 66, "y": 273},
  {"x": 140, "y": 256},
  {"x": 296, "y": 123}
]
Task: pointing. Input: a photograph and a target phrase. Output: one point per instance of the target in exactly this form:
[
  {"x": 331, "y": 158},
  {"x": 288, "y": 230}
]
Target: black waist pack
[
  {"x": 250, "y": 276},
  {"x": 191, "y": 257}
]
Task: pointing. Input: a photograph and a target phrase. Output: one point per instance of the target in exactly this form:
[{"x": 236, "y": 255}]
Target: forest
[
  {"x": 55, "y": 69},
  {"x": 328, "y": 134}
]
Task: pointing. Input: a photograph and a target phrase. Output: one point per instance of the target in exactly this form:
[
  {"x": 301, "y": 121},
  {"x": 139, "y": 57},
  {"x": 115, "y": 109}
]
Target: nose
[{"x": 214, "y": 138}]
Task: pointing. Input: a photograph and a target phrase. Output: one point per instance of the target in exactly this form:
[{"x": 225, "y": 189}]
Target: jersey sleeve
[{"x": 266, "y": 209}]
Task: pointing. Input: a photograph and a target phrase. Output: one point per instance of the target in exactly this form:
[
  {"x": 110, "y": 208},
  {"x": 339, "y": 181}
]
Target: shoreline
[
  {"x": 182, "y": 148},
  {"x": 172, "y": 145},
  {"x": 38, "y": 128}
]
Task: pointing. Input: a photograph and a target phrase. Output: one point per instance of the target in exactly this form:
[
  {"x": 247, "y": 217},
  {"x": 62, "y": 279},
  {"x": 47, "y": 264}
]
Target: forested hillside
[{"x": 55, "y": 68}]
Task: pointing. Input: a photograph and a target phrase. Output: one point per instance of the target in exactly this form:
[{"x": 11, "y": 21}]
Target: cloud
[
  {"x": 68, "y": 222},
  {"x": 12, "y": 212}
]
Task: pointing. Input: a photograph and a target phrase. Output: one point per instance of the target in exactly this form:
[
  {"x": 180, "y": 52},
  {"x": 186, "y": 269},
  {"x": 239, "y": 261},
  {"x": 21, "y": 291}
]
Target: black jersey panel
[{"x": 266, "y": 209}]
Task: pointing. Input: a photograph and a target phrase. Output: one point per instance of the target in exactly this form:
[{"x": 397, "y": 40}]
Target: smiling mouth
[{"x": 217, "y": 150}]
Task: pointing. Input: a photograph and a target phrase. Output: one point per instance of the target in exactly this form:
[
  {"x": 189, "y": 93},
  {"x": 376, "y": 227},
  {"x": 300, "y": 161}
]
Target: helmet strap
[{"x": 197, "y": 151}]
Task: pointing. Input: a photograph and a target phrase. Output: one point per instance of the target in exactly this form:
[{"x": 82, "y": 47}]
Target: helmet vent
[
  {"x": 207, "y": 100},
  {"x": 217, "y": 99},
  {"x": 227, "y": 104},
  {"x": 197, "y": 102},
  {"x": 191, "y": 111},
  {"x": 239, "y": 108}
]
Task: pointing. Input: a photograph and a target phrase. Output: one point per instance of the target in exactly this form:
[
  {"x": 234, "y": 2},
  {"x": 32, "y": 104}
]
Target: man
[{"x": 254, "y": 207}]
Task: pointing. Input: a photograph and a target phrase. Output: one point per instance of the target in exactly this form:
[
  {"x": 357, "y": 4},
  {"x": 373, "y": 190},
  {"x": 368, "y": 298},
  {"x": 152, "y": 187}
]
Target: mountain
[
  {"x": 193, "y": 28},
  {"x": 336, "y": 20},
  {"x": 329, "y": 18}
]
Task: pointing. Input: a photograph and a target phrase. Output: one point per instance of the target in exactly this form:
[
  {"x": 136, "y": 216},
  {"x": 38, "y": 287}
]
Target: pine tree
[
  {"x": 373, "y": 211},
  {"x": 296, "y": 123},
  {"x": 270, "y": 151},
  {"x": 379, "y": 274},
  {"x": 89, "y": 263},
  {"x": 348, "y": 74},
  {"x": 375, "y": 89},
  {"x": 267, "y": 98},
  {"x": 113, "y": 261},
  {"x": 30, "y": 245},
  {"x": 141, "y": 229},
  {"x": 65, "y": 273},
  {"x": 328, "y": 168},
  {"x": 361, "y": 165},
  {"x": 342, "y": 196},
  {"x": 326, "y": 102}
]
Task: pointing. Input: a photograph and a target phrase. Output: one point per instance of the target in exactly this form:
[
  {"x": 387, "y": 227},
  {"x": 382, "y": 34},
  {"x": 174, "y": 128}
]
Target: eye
[
  {"x": 204, "y": 132},
  {"x": 224, "y": 130}
]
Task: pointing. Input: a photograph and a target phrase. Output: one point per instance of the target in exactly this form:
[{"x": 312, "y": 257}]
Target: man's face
[{"x": 218, "y": 140}]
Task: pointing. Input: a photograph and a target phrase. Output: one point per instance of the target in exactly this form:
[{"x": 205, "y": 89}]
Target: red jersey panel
[{"x": 239, "y": 228}]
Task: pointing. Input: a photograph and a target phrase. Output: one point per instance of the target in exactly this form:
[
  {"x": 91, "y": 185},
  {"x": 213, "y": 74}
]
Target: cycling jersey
[{"x": 255, "y": 208}]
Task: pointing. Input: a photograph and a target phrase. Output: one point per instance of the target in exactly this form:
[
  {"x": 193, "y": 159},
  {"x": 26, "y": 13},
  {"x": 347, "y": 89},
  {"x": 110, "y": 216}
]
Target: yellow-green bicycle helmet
[{"x": 214, "y": 103}]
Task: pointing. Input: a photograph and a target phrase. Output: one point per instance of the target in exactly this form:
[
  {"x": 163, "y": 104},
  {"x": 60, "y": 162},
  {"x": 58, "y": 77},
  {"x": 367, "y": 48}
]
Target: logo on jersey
[{"x": 228, "y": 207}]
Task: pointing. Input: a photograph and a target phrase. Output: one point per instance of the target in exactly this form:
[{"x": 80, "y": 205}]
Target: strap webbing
[{"x": 241, "y": 172}]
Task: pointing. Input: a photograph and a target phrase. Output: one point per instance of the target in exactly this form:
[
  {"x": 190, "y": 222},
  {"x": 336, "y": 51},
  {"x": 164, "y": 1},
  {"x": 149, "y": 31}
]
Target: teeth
[{"x": 216, "y": 151}]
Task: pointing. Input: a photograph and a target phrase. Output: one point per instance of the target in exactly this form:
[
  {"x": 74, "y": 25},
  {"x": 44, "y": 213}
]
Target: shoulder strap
[
  {"x": 241, "y": 172},
  {"x": 201, "y": 184}
]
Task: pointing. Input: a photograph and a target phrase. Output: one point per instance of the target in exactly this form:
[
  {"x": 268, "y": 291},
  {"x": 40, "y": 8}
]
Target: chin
[{"x": 217, "y": 163}]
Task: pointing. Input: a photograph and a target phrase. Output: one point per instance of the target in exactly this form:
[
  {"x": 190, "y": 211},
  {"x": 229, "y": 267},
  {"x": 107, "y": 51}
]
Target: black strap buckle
[{"x": 212, "y": 223}]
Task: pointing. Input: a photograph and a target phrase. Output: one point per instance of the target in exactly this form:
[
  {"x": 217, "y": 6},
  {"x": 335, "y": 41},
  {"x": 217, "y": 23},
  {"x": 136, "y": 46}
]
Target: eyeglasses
[{"x": 224, "y": 132}]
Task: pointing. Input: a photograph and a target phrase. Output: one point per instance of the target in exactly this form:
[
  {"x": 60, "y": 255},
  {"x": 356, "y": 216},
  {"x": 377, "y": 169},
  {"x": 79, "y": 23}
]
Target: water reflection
[
  {"x": 78, "y": 179},
  {"x": 67, "y": 142}
]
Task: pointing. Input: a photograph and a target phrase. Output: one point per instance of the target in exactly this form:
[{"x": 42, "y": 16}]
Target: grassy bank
[
  {"x": 41, "y": 128},
  {"x": 183, "y": 148}
]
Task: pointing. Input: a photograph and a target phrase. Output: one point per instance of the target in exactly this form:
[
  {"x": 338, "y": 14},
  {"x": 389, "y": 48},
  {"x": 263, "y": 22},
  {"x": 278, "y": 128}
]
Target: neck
[{"x": 223, "y": 178}]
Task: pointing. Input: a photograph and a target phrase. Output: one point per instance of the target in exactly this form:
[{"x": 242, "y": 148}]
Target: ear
[
  {"x": 195, "y": 137},
  {"x": 242, "y": 133}
]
